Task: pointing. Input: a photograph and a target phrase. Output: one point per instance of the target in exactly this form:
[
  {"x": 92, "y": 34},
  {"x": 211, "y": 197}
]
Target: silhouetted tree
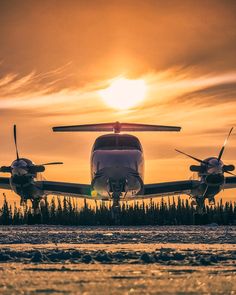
[{"x": 67, "y": 212}]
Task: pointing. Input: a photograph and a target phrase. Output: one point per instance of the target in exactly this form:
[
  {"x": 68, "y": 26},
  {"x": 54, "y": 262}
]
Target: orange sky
[{"x": 56, "y": 55}]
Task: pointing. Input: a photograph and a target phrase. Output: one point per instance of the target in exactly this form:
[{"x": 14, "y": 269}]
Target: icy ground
[{"x": 117, "y": 260}]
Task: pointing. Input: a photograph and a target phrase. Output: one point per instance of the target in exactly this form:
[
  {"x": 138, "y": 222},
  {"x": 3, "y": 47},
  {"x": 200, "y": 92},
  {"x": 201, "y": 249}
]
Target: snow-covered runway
[{"x": 117, "y": 260}]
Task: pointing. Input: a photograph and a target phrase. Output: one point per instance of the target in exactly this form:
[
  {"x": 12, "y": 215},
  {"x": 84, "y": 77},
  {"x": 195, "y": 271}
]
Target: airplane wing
[
  {"x": 150, "y": 190},
  {"x": 5, "y": 183},
  {"x": 67, "y": 189},
  {"x": 167, "y": 188},
  {"x": 230, "y": 182}
]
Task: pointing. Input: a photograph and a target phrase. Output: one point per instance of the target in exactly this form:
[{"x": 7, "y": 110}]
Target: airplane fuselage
[{"x": 117, "y": 165}]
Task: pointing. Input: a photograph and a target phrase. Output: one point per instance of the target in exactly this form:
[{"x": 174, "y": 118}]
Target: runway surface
[{"x": 117, "y": 260}]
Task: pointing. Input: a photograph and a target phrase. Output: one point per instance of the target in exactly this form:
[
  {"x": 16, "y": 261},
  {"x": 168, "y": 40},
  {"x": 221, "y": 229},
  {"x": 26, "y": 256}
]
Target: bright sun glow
[{"x": 124, "y": 93}]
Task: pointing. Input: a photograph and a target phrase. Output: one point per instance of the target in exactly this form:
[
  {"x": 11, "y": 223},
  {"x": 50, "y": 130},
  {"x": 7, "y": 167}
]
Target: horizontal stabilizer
[{"x": 117, "y": 127}]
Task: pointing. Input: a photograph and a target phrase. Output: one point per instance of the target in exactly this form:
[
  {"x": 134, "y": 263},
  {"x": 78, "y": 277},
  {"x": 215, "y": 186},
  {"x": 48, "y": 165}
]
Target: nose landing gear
[
  {"x": 200, "y": 204},
  {"x": 116, "y": 187},
  {"x": 115, "y": 209}
]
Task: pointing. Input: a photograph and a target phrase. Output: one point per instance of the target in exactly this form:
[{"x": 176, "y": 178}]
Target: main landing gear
[
  {"x": 200, "y": 201},
  {"x": 200, "y": 216},
  {"x": 37, "y": 203},
  {"x": 23, "y": 202}
]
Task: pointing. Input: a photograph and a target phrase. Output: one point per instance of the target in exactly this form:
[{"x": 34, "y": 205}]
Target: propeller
[
  {"x": 52, "y": 163},
  {"x": 223, "y": 147},
  {"x": 194, "y": 158},
  {"x": 226, "y": 168},
  {"x": 41, "y": 168},
  {"x": 230, "y": 173},
  {"x": 26, "y": 163},
  {"x": 15, "y": 141}
]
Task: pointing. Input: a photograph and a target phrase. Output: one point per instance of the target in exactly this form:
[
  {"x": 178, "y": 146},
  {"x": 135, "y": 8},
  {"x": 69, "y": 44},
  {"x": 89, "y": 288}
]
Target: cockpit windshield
[{"x": 117, "y": 141}]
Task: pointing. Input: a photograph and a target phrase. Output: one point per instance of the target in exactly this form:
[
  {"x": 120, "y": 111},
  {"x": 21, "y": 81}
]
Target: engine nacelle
[
  {"x": 214, "y": 179},
  {"x": 195, "y": 168}
]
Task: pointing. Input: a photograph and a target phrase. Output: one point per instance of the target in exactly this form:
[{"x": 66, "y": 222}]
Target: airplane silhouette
[{"x": 117, "y": 170}]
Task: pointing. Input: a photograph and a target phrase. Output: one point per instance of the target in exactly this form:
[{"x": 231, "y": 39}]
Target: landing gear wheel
[
  {"x": 115, "y": 214},
  {"x": 115, "y": 209},
  {"x": 35, "y": 206},
  {"x": 200, "y": 205},
  {"x": 42, "y": 203},
  {"x": 200, "y": 217}
]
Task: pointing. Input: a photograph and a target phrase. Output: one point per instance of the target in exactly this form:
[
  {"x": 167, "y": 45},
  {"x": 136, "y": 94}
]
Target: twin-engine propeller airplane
[
  {"x": 117, "y": 170},
  {"x": 23, "y": 177},
  {"x": 117, "y": 167}
]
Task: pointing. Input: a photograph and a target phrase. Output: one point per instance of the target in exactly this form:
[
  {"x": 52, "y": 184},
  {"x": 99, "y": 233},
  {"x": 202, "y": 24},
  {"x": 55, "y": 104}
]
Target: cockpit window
[
  {"x": 125, "y": 142},
  {"x": 105, "y": 142},
  {"x": 121, "y": 142}
]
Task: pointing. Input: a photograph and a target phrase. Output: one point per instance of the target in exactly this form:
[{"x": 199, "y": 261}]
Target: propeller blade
[
  {"x": 15, "y": 141},
  {"x": 196, "y": 159},
  {"x": 223, "y": 147},
  {"x": 5, "y": 169},
  {"x": 205, "y": 192},
  {"x": 230, "y": 173},
  {"x": 52, "y": 163}
]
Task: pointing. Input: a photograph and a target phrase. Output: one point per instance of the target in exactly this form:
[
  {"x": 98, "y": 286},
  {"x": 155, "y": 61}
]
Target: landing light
[{"x": 94, "y": 194}]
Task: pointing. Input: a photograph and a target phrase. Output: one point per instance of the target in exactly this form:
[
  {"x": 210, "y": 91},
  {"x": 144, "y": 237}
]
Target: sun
[{"x": 124, "y": 93}]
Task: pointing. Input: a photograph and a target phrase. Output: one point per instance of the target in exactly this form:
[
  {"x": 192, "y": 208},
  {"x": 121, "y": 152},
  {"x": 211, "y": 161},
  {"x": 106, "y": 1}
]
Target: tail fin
[{"x": 116, "y": 127}]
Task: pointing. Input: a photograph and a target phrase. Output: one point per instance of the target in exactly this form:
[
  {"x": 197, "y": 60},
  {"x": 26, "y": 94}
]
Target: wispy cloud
[
  {"x": 54, "y": 64},
  {"x": 180, "y": 85},
  {"x": 14, "y": 85},
  {"x": 176, "y": 84}
]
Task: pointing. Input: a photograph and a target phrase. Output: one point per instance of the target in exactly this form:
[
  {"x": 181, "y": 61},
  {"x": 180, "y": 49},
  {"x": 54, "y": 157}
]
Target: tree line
[{"x": 67, "y": 212}]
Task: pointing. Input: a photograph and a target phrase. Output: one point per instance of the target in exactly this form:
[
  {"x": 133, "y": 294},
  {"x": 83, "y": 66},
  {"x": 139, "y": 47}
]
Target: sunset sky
[{"x": 57, "y": 56}]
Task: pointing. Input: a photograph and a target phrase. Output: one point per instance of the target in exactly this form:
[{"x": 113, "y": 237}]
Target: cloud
[
  {"x": 32, "y": 84},
  {"x": 103, "y": 39},
  {"x": 56, "y": 56}
]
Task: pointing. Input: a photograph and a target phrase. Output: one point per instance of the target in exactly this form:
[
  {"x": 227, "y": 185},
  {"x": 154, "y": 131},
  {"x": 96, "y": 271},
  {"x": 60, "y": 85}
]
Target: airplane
[
  {"x": 210, "y": 173},
  {"x": 117, "y": 170},
  {"x": 24, "y": 174}
]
